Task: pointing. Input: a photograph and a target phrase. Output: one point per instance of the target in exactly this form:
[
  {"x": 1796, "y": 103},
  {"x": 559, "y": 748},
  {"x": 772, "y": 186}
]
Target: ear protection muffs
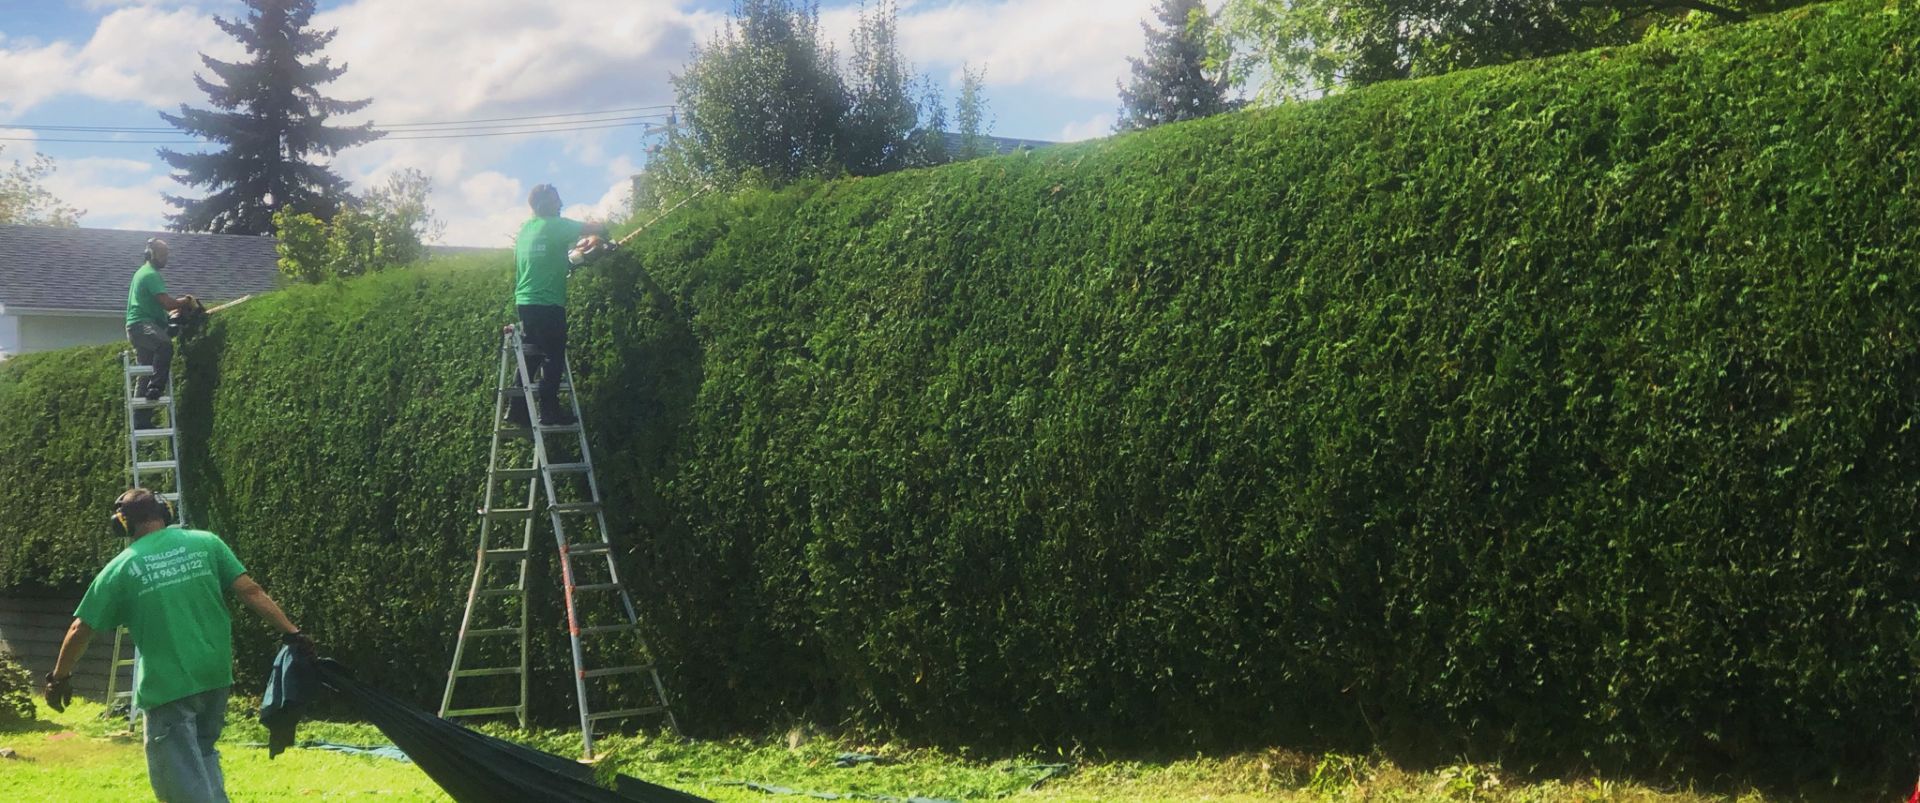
[
  {"x": 545, "y": 200},
  {"x": 125, "y": 513},
  {"x": 151, "y": 245}
]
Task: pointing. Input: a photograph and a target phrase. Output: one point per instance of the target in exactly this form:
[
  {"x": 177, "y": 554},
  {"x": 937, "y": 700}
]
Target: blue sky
[{"x": 1051, "y": 68}]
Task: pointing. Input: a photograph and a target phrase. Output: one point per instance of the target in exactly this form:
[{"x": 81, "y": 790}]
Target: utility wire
[
  {"x": 541, "y": 119},
  {"x": 532, "y": 117},
  {"x": 424, "y": 134}
]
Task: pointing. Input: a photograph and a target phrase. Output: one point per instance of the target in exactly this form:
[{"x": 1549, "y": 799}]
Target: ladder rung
[
  {"x": 481, "y": 712},
  {"x": 122, "y": 695},
  {"x": 623, "y": 670},
  {"x": 141, "y": 403},
  {"x": 501, "y": 592},
  {"x": 559, "y": 429},
  {"x": 153, "y": 434},
  {"x": 589, "y": 549},
  {"x": 171, "y": 496},
  {"x": 510, "y": 392},
  {"x": 602, "y": 630},
  {"x": 494, "y": 631},
  {"x": 576, "y": 507},
  {"x": 598, "y": 587},
  {"x": 625, "y": 712},
  {"x": 506, "y": 554},
  {"x": 139, "y": 370},
  {"x": 157, "y": 465},
  {"x": 508, "y": 513},
  {"x": 569, "y": 468},
  {"x": 123, "y": 662},
  {"x": 486, "y": 673}
]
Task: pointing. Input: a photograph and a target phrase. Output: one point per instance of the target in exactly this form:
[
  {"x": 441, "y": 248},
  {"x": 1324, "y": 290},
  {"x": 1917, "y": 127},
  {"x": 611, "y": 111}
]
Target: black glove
[
  {"x": 299, "y": 641},
  {"x": 59, "y": 692}
]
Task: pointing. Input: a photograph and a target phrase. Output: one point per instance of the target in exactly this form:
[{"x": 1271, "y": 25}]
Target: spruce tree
[
  {"x": 270, "y": 115},
  {"x": 1174, "y": 81}
]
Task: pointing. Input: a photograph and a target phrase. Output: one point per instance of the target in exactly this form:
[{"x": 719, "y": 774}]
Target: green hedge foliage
[{"x": 1559, "y": 412}]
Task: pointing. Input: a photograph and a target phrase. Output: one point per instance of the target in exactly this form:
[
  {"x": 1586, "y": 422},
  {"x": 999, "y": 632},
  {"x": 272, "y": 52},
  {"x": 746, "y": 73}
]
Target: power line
[
  {"x": 532, "y": 117},
  {"x": 548, "y": 119},
  {"x": 425, "y": 134}
]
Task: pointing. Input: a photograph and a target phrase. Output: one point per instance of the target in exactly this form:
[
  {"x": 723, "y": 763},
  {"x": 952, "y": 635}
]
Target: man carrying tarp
[
  {"x": 147, "y": 308},
  {"x": 168, "y": 589},
  {"x": 540, "y": 296}
]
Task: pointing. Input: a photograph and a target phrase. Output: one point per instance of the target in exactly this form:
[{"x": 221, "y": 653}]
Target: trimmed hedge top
[{"x": 1558, "y": 412}]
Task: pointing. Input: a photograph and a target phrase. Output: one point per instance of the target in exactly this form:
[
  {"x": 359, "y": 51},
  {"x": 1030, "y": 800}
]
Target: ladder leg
[
  {"x": 482, "y": 558},
  {"x": 515, "y": 380}
]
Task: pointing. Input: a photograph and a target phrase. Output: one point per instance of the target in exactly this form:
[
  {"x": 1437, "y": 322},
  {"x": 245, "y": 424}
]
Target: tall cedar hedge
[{"x": 1560, "y": 411}]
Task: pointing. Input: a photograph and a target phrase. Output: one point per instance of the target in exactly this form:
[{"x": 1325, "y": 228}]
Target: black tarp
[{"x": 477, "y": 768}]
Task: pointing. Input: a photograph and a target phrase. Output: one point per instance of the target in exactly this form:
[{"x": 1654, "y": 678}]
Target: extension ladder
[
  {"x": 161, "y": 460},
  {"x": 565, "y": 479}
]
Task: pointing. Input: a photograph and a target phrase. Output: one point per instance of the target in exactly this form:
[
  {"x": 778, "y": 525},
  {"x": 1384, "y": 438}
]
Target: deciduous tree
[
  {"x": 1308, "y": 47},
  {"x": 24, "y": 198}
]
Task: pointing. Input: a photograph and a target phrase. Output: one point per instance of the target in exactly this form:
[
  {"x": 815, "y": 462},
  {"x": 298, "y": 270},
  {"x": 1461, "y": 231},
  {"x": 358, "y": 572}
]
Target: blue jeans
[{"x": 181, "y": 762}]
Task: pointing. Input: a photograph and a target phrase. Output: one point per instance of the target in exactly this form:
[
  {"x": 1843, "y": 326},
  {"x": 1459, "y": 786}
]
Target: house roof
[
  {"x": 1001, "y": 146},
  {"x": 86, "y": 270}
]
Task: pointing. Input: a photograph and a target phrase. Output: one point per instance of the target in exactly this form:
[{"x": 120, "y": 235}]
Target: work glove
[
  {"x": 300, "y": 642},
  {"x": 59, "y": 692}
]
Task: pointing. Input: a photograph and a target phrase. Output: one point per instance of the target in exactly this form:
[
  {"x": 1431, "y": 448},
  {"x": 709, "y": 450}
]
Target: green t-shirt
[
  {"x": 141, "y": 305},
  {"x": 540, "y": 260},
  {"x": 169, "y": 590}
]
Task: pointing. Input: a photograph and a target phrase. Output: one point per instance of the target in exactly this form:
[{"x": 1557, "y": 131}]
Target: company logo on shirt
[{"x": 172, "y": 567}]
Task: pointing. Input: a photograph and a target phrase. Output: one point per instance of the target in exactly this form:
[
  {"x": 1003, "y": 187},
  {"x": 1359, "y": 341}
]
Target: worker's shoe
[{"x": 155, "y": 391}]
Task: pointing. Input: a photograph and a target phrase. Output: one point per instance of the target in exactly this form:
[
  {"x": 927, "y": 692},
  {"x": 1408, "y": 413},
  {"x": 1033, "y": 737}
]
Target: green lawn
[{"x": 75, "y": 756}]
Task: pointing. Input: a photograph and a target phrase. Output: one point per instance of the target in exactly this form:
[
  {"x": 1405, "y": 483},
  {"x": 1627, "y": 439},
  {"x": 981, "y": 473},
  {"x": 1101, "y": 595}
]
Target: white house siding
[
  {"x": 40, "y": 332},
  {"x": 9, "y": 334}
]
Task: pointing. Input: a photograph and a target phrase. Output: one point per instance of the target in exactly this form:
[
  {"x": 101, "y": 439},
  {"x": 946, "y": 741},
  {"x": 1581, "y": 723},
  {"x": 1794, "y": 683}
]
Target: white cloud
[
  {"x": 141, "y": 54},
  {"x": 1094, "y": 127},
  {"x": 1074, "y": 47},
  {"x": 444, "y": 60},
  {"x": 450, "y": 60}
]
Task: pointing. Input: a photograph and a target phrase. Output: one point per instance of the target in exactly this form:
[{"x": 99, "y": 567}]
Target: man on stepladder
[
  {"x": 147, "y": 308},
  {"x": 540, "y": 294},
  {"x": 168, "y": 587}
]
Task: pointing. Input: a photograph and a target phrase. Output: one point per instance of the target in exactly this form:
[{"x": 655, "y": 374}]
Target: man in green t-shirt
[
  {"x": 540, "y": 294},
  {"x": 168, "y": 589},
  {"x": 147, "y": 308}
]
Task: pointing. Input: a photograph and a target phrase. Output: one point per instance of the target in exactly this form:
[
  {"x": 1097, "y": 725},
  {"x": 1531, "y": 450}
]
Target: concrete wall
[{"x": 32, "y": 627}]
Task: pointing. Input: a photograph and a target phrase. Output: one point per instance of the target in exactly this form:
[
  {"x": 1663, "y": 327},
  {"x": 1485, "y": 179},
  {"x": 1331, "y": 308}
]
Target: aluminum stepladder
[
  {"x": 162, "y": 461},
  {"x": 571, "y": 493}
]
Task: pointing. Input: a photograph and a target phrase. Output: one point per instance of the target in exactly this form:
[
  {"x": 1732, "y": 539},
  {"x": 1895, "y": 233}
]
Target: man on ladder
[
  {"x": 147, "y": 308},
  {"x": 603, "y": 624},
  {"x": 540, "y": 295}
]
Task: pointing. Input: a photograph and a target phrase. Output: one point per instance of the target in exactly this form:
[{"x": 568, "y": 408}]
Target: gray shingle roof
[{"x": 88, "y": 269}]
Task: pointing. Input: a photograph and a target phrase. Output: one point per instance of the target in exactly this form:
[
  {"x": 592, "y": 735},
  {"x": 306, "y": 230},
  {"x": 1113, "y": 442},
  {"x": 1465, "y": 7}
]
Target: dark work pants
[
  {"x": 545, "y": 327},
  {"x": 151, "y": 346}
]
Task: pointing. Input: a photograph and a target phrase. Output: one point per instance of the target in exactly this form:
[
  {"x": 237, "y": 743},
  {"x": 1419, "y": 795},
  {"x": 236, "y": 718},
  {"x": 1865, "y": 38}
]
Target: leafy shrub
[
  {"x": 382, "y": 231},
  {"x": 1557, "y": 412},
  {"x": 16, "y": 691}
]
